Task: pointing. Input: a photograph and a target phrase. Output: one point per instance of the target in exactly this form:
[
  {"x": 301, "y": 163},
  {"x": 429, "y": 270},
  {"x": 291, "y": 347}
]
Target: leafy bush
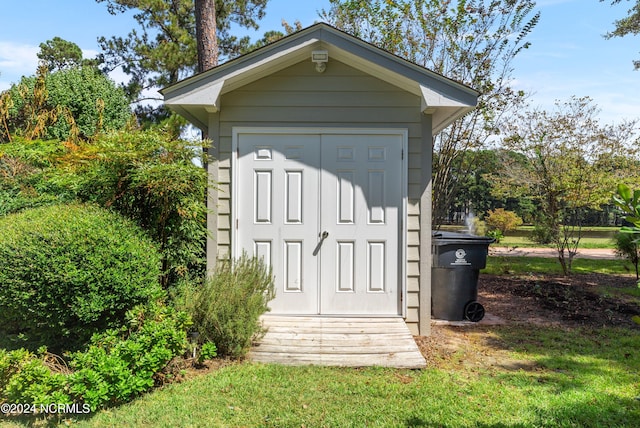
[
  {"x": 25, "y": 175},
  {"x": 545, "y": 230},
  {"x": 27, "y": 378},
  {"x": 68, "y": 271},
  {"x": 147, "y": 176},
  {"x": 54, "y": 103},
  {"x": 627, "y": 246},
  {"x": 226, "y": 308},
  {"x": 502, "y": 220},
  {"x": 495, "y": 234},
  {"x": 208, "y": 351},
  {"x": 119, "y": 364},
  {"x": 151, "y": 179}
]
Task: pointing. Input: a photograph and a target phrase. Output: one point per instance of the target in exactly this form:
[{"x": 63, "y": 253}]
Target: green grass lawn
[
  {"x": 592, "y": 237},
  {"x": 549, "y": 378},
  {"x": 545, "y": 377},
  {"x": 518, "y": 265},
  {"x": 524, "y": 242}
]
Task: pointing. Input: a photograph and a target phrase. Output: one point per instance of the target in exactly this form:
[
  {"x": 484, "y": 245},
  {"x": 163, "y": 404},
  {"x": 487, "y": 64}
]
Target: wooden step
[{"x": 337, "y": 341}]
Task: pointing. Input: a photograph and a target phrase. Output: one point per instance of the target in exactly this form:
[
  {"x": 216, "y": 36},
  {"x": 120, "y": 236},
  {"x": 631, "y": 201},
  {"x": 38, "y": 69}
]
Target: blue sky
[{"x": 568, "y": 55}]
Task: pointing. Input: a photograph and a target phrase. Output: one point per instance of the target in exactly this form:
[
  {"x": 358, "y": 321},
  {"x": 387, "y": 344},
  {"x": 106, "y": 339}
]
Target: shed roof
[{"x": 195, "y": 97}]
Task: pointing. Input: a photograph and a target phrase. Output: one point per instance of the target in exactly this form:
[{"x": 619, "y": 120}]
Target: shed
[{"x": 322, "y": 152}]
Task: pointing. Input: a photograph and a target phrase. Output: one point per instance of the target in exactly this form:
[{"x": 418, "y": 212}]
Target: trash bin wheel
[{"x": 474, "y": 311}]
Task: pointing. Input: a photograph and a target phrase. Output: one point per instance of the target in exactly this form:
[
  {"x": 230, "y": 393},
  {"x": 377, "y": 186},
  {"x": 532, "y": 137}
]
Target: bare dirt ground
[{"x": 591, "y": 300}]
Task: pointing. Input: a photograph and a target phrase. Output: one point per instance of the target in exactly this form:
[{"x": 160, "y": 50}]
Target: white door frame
[{"x": 402, "y": 132}]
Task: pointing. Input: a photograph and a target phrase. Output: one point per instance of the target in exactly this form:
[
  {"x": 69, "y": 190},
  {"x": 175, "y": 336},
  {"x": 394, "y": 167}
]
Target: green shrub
[
  {"x": 226, "y": 308},
  {"x": 152, "y": 180},
  {"x": 27, "y": 378},
  {"x": 117, "y": 366},
  {"x": 145, "y": 176},
  {"x": 25, "y": 175},
  {"x": 208, "y": 351},
  {"x": 68, "y": 271},
  {"x": 502, "y": 220},
  {"x": 92, "y": 100},
  {"x": 495, "y": 234},
  {"x": 627, "y": 247},
  {"x": 121, "y": 364}
]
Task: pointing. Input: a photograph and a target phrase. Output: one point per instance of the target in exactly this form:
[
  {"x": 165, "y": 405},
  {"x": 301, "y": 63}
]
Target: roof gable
[{"x": 196, "y": 97}]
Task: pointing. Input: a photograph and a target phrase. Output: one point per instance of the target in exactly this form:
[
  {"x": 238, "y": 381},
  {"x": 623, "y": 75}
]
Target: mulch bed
[{"x": 583, "y": 299}]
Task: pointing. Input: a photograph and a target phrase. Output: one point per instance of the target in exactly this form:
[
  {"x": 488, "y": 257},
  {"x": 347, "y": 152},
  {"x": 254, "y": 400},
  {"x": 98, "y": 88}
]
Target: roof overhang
[{"x": 442, "y": 98}]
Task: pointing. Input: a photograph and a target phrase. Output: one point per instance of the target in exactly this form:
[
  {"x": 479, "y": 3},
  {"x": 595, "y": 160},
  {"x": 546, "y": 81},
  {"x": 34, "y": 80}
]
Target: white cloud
[{"x": 16, "y": 60}]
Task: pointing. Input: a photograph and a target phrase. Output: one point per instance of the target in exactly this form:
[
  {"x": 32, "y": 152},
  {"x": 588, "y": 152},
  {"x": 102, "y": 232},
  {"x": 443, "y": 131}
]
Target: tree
[
  {"x": 59, "y": 54},
  {"x": 67, "y": 103},
  {"x": 628, "y": 25},
  {"x": 206, "y": 37},
  {"x": 163, "y": 50},
  {"x": 572, "y": 161},
  {"x": 470, "y": 41}
]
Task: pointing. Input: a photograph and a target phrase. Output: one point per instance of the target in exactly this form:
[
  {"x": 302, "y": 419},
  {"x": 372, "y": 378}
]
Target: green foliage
[
  {"x": 120, "y": 364},
  {"x": 25, "y": 172},
  {"x": 147, "y": 176},
  {"x": 226, "y": 308},
  {"x": 630, "y": 24},
  {"x": 59, "y": 54},
  {"x": 117, "y": 366},
  {"x": 163, "y": 50},
  {"x": 208, "y": 351},
  {"x": 68, "y": 271},
  {"x": 472, "y": 42},
  {"x": 27, "y": 378},
  {"x": 502, "y": 220},
  {"x": 627, "y": 247},
  {"x": 628, "y": 201},
  {"x": 544, "y": 231},
  {"x": 496, "y": 235},
  {"x": 73, "y": 100},
  {"x": 151, "y": 179},
  {"x": 571, "y": 161}
]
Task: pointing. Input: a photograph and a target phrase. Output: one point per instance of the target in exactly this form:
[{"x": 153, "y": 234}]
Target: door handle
[{"x": 322, "y": 237}]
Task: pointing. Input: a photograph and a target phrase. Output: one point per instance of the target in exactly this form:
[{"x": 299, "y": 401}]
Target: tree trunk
[{"x": 206, "y": 36}]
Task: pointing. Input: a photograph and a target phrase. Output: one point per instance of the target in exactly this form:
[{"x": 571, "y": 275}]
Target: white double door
[{"x": 324, "y": 211}]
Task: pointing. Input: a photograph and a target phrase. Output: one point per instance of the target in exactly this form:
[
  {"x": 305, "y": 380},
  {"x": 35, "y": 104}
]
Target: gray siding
[{"x": 340, "y": 97}]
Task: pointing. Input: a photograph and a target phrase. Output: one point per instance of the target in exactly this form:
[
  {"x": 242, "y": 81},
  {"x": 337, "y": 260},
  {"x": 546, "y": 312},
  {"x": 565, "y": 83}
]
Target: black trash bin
[{"x": 457, "y": 260}]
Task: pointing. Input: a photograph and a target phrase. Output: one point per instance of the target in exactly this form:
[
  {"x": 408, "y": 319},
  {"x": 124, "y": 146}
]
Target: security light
[{"x": 320, "y": 58}]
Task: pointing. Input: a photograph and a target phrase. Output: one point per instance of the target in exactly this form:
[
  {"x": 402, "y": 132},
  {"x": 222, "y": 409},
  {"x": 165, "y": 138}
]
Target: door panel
[
  {"x": 282, "y": 195},
  {"x": 361, "y": 194}
]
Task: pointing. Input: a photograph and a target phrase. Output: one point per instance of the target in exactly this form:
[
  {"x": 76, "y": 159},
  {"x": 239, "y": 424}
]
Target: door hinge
[
  {"x": 237, "y": 224},
  {"x": 402, "y": 154}
]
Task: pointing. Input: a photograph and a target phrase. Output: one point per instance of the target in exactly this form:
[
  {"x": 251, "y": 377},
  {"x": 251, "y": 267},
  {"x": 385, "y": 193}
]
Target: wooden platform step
[{"x": 337, "y": 341}]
